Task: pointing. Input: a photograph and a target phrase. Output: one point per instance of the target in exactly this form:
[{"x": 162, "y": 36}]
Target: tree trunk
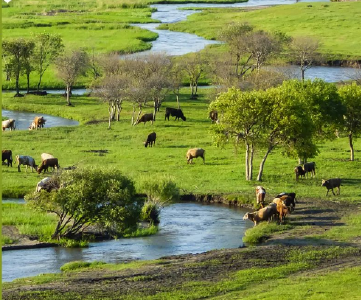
[
  {"x": 178, "y": 102},
  {"x": 139, "y": 114},
  {"x": 261, "y": 167},
  {"x": 192, "y": 89},
  {"x": 251, "y": 158},
  {"x": 110, "y": 113},
  {"x": 134, "y": 111},
  {"x": 17, "y": 85},
  {"x": 155, "y": 105},
  {"x": 351, "y": 146},
  {"x": 68, "y": 95},
  {"x": 247, "y": 161},
  {"x": 40, "y": 77},
  {"x": 28, "y": 82}
]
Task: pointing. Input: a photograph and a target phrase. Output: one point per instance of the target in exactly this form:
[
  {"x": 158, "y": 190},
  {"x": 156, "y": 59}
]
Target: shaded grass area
[
  {"x": 336, "y": 25},
  {"x": 223, "y": 171}
]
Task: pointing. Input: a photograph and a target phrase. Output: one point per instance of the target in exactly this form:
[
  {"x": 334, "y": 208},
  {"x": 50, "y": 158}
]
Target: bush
[{"x": 76, "y": 265}]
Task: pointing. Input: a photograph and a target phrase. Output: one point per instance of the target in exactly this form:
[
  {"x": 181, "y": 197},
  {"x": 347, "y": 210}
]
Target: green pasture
[
  {"x": 336, "y": 25},
  {"x": 223, "y": 171}
]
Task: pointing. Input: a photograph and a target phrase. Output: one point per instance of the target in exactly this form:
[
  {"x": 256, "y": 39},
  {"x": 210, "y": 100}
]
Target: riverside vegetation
[{"x": 317, "y": 247}]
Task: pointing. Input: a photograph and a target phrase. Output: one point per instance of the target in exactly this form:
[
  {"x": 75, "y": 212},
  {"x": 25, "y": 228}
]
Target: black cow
[
  {"x": 145, "y": 118},
  {"x": 299, "y": 172},
  {"x": 151, "y": 139},
  {"x": 309, "y": 167},
  {"x": 174, "y": 112},
  {"x": 8, "y": 156}
]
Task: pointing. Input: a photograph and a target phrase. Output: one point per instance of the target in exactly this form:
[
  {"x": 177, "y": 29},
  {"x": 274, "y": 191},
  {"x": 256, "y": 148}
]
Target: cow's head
[
  {"x": 183, "y": 118},
  {"x": 249, "y": 216},
  {"x": 325, "y": 182}
]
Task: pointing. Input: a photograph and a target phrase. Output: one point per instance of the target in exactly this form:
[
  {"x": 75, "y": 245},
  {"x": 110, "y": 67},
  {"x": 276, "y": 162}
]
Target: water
[
  {"x": 179, "y": 43},
  {"x": 184, "y": 228},
  {"x": 24, "y": 119},
  {"x": 57, "y": 92}
]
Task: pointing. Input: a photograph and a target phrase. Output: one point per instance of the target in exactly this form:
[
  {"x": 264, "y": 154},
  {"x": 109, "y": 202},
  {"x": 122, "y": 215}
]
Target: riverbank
[{"x": 322, "y": 248}]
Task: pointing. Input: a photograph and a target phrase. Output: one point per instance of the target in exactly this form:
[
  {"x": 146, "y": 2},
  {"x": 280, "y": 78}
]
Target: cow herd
[{"x": 47, "y": 160}]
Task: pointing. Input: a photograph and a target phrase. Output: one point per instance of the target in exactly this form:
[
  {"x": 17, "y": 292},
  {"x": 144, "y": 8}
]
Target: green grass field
[
  {"x": 336, "y": 25},
  {"x": 222, "y": 173}
]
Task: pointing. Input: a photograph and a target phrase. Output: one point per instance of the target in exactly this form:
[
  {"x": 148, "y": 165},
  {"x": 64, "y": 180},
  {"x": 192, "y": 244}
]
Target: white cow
[
  {"x": 8, "y": 124},
  {"x": 45, "y": 156}
]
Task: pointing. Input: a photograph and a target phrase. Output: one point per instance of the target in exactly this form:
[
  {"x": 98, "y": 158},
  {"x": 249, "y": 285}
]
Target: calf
[
  {"x": 299, "y": 172},
  {"x": 151, "y": 139},
  {"x": 8, "y": 156},
  {"x": 195, "y": 153},
  {"x": 145, "y": 118},
  {"x": 26, "y": 161},
  {"x": 45, "y": 164},
  {"x": 260, "y": 195},
  {"x": 330, "y": 184},
  {"x": 174, "y": 112},
  {"x": 309, "y": 167},
  {"x": 264, "y": 214},
  {"x": 213, "y": 115},
  {"x": 8, "y": 124}
]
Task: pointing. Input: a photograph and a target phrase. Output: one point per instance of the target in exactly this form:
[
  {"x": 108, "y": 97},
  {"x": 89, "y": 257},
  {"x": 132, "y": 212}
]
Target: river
[
  {"x": 24, "y": 119},
  {"x": 184, "y": 228}
]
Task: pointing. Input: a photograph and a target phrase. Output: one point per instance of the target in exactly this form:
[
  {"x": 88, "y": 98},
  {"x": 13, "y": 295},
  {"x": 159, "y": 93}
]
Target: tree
[
  {"x": 240, "y": 115},
  {"x": 351, "y": 98},
  {"x": 48, "y": 47},
  {"x": 18, "y": 52},
  {"x": 70, "y": 66},
  {"x": 305, "y": 51},
  {"x": 87, "y": 197},
  {"x": 193, "y": 66},
  {"x": 175, "y": 77}
]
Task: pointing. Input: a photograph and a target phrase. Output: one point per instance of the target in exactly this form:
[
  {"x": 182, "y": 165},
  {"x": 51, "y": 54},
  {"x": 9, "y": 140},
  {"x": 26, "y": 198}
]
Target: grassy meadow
[
  {"x": 223, "y": 171},
  {"x": 336, "y": 25}
]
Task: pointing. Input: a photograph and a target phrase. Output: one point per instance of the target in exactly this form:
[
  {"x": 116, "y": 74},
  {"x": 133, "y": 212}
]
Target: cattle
[
  {"x": 282, "y": 209},
  {"x": 45, "y": 164},
  {"x": 8, "y": 156},
  {"x": 195, "y": 153},
  {"x": 45, "y": 156},
  {"x": 151, "y": 139},
  {"x": 288, "y": 200},
  {"x": 26, "y": 161},
  {"x": 47, "y": 184},
  {"x": 174, "y": 112},
  {"x": 260, "y": 195},
  {"x": 264, "y": 214},
  {"x": 330, "y": 184},
  {"x": 309, "y": 167},
  {"x": 291, "y": 195},
  {"x": 213, "y": 115},
  {"x": 37, "y": 123},
  {"x": 145, "y": 118},
  {"x": 299, "y": 172},
  {"x": 8, "y": 124}
]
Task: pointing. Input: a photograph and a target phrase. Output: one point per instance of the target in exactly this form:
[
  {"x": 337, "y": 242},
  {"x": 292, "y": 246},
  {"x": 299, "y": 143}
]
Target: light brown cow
[
  {"x": 8, "y": 124},
  {"x": 38, "y": 122},
  {"x": 195, "y": 153},
  {"x": 264, "y": 214},
  {"x": 260, "y": 195}
]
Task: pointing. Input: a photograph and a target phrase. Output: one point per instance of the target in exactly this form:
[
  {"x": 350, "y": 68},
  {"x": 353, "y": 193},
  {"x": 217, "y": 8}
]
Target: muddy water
[
  {"x": 24, "y": 119},
  {"x": 184, "y": 228}
]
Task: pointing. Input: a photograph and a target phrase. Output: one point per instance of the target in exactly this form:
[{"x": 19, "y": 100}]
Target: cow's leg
[
  {"x": 19, "y": 168},
  {"x": 327, "y": 192},
  {"x": 203, "y": 158}
]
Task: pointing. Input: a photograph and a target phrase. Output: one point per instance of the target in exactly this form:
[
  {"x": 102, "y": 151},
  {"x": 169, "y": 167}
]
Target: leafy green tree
[
  {"x": 17, "y": 52},
  {"x": 351, "y": 98},
  {"x": 48, "y": 47},
  {"x": 90, "y": 196}
]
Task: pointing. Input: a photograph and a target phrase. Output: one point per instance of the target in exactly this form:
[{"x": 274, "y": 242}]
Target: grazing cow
[
  {"x": 8, "y": 124},
  {"x": 264, "y": 214},
  {"x": 195, "y": 153},
  {"x": 145, "y": 118},
  {"x": 299, "y": 172},
  {"x": 213, "y": 115},
  {"x": 38, "y": 122},
  {"x": 260, "y": 195},
  {"x": 151, "y": 139},
  {"x": 26, "y": 161},
  {"x": 8, "y": 156},
  {"x": 45, "y": 184},
  {"x": 45, "y": 156},
  {"x": 174, "y": 112},
  {"x": 309, "y": 167},
  {"x": 330, "y": 184},
  {"x": 45, "y": 164}
]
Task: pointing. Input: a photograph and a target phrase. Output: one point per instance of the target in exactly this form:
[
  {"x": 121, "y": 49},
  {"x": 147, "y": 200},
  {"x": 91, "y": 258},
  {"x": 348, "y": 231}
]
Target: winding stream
[{"x": 184, "y": 228}]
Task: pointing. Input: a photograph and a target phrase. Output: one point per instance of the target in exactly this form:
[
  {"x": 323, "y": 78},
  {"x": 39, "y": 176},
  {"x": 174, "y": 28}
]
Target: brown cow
[
  {"x": 264, "y": 214},
  {"x": 38, "y": 122},
  {"x": 195, "y": 153},
  {"x": 260, "y": 195},
  {"x": 145, "y": 118},
  {"x": 8, "y": 156},
  {"x": 46, "y": 163},
  {"x": 213, "y": 115}
]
